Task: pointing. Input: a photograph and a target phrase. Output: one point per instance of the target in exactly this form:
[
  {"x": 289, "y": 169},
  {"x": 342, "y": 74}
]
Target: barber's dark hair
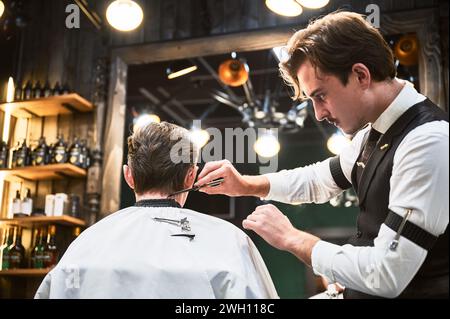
[
  {"x": 150, "y": 161},
  {"x": 333, "y": 44}
]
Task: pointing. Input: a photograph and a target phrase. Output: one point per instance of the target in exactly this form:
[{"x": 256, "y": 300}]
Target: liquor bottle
[
  {"x": 17, "y": 251},
  {"x": 4, "y": 154},
  {"x": 75, "y": 156},
  {"x": 76, "y": 232},
  {"x": 27, "y": 91},
  {"x": 27, "y": 204},
  {"x": 37, "y": 90},
  {"x": 65, "y": 89},
  {"x": 85, "y": 155},
  {"x": 40, "y": 155},
  {"x": 17, "y": 206},
  {"x": 18, "y": 92},
  {"x": 6, "y": 246},
  {"x": 50, "y": 252},
  {"x": 37, "y": 260},
  {"x": 23, "y": 156},
  {"x": 14, "y": 155},
  {"x": 47, "y": 90},
  {"x": 59, "y": 151},
  {"x": 56, "y": 89}
]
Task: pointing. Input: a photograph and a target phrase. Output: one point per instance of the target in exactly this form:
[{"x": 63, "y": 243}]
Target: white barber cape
[{"x": 129, "y": 254}]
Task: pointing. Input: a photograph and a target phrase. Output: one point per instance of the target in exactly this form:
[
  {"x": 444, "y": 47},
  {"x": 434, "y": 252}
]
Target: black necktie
[
  {"x": 368, "y": 149},
  {"x": 372, "y": 141}
]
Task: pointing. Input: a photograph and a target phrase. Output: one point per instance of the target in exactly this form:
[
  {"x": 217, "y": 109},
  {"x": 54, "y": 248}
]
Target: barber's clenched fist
[
  {"x": 272, "y": 225},
  {"x": 234, "y": 183}
]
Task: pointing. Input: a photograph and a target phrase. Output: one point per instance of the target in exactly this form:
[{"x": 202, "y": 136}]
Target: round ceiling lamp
[
  {"x": 233, "y": 72},
  {"x": 145, "y": 119},
  {"x": 267, "y": 145},
  {"x": 124, "y": 15},
  {"x": 313, "y": 4},
  {"x": 2, "y": 8},
  {"x": 287, "y": 8},
  {"x": 407, "y": 50},
  {"x": 199, "y": 137}
]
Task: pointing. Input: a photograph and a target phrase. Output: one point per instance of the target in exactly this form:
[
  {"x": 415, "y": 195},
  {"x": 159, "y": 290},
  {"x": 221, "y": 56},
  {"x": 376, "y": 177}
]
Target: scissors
[{"x": 213, "y": 183}]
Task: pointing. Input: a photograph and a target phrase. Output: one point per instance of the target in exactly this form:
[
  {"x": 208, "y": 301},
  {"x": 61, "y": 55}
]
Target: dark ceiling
[{"x": 189, "y": 97}]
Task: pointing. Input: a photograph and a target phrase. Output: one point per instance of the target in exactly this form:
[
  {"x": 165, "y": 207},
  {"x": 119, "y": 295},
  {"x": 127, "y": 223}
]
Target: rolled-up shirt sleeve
[
  {"x": 313, "y": 183},
  {"x": 420, "y": 182}
]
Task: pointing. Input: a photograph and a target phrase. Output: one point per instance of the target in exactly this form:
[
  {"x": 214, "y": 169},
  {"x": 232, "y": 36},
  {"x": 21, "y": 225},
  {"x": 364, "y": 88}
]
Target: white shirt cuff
[
  {"x": 277, "y": 182},
  {"x": 322, "y": 259}
]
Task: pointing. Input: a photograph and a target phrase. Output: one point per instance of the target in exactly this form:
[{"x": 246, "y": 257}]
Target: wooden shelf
[
  {"x": 46, "y": 172},
  {"x": 25, "y": 272},
  {"x": 61, "y": 220},
  {"x": 49, "y": 106}
]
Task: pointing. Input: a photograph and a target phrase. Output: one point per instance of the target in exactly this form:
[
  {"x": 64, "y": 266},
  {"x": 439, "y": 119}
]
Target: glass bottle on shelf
[
  {"x": 47, "y": 90},
  {"x": 85, "y": 154},
  {"x": 56, "y": 89},
  {"x": 17, "y": 251},
  {"x": 40, "y": 155},
  {"x": 75, "y": 156},
  {"x": 14, "y": 155},
  {"x": 4, "y": 154},
  {"x": 17, "y": 206},
  {"x": 27, "y": 91},
  {"x": 50, "y": 252},
  {"x": 23, "y": 157},
  {"x": 59, "y": 151},
  {"x": 37, "y": 260},
  {"x": 27, "y": 204},
  {"x": 18, "y": 92},
  {"x": 65, "y": 89},
  {"x": 37, "y": 90},
  {"x": 6, "y": 247}
]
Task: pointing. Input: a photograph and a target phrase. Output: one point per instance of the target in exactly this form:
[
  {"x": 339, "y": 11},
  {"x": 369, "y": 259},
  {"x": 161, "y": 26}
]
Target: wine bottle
[
  {"x": 17, "y": 251},
  {"x": 37, "y": 90},
  {"x": 4, "y": 154},
  {"x": 50, "y": 252},
  {"x": 37, "y": 260}
]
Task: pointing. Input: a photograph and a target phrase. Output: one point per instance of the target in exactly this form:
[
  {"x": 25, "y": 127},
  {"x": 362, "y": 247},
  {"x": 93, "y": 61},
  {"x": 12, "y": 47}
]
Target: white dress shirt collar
[{"x": 407, "y": 97}]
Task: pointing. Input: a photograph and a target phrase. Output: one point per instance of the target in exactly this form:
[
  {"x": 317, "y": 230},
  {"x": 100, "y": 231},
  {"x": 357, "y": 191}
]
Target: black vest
[{"x": 431, "y": 281}]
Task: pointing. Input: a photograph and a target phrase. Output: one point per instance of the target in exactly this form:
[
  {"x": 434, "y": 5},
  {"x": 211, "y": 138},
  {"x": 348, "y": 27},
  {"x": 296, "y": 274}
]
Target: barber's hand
[
  {"x": 234, "y": 183},
  {"x": 272, "y": 225}
]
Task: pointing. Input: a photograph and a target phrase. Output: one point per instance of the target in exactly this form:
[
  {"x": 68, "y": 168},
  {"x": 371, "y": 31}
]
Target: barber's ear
[
  {"x": 362, "y": 75},
  {"x": 128, "y": 176}
]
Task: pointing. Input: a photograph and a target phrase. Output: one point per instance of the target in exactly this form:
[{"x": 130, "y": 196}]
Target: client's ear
[
  {"x": 190, "y": 177},
  {"x": 128, "y": 176}
]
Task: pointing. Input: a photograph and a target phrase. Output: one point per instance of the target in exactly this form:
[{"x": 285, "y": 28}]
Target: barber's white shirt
[
  {"x": 419, "y": 181},
  {"x": 130, "y": 255}
]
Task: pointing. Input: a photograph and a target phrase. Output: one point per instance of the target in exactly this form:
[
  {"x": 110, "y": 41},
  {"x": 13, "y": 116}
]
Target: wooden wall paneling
[
  {"x": 217, "y": 15},
  {"x": 232, "y": 16},
  {"x": 168, "y": 21},
  {"x": 251, "y": 11},
  {"x": 185, "y": 19},
  {"x": 113, "y": 139},
  {"x": 153, "y": 13}
]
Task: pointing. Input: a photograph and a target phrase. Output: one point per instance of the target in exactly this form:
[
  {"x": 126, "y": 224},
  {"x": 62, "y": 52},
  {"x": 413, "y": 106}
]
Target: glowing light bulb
[
  {"x": 124, "y": 15},
  {"x": 146, "y": 119},
  {"x": 313, "y": 4},
  {"x": 287, "y": 8},
  {"x": 267, "y": 145},
  {"x": 337, "y": 142},
  {"x": 199, "y": 137}
]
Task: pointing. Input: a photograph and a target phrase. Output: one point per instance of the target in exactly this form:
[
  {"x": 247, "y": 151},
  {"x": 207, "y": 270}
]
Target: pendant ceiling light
[
  {"x": 124, "y": 15},
  {"x": 233, "y": 72},
  {"x": 313, "y": 4},
  {"x": 267, "y": 145},
  {"x": 180, "y": 68},
  {"x": 2, "y": 8},
  {"x": 288, "y": 8}
]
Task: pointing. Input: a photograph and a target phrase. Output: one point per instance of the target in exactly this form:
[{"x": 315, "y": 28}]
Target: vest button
[{"x": 358, "y": 234}]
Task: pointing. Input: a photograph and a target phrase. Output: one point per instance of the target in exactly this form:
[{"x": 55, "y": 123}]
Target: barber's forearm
[
  {"x": 301, "y": 245},
  {"x": 256, "y": 186}
]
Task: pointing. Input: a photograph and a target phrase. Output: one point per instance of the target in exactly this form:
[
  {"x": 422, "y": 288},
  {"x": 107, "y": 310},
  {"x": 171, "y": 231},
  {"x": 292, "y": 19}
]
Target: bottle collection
[
  {"x": 31, "y": 91},
  {"x": 43, "y": 251},
  {"x": 22, "y": 155}
]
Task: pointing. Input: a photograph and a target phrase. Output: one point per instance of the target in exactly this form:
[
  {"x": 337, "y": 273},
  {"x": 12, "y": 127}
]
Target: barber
[{"x": 397, "y": 162}]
